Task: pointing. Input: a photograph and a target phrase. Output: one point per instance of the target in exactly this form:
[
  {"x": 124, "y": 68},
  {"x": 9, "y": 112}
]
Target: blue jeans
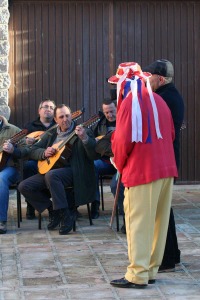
[
  {"x": 8, "y": 176},
  {"x": 102, "y": 168}
]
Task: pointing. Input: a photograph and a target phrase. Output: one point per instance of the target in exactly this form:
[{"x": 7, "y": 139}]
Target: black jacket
[
  {"x": 37, "y": 125},
  {"x": 101, "y": 127},
  {"x": 175, "y": 103}
]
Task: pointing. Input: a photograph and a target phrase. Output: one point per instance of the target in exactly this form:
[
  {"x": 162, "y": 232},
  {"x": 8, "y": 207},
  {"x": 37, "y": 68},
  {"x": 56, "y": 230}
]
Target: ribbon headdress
[{"x": 129, "y": 79}]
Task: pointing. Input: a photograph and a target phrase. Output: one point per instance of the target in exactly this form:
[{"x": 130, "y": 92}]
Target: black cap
[{"x": 162, "y": 67}]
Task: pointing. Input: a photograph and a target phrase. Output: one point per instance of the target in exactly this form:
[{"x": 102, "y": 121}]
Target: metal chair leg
[
  {"x": 40, "y": 221},
  {"x": 19, "y": 213},
  {"x": 19, "y": 209},
  {"x": 74, "y": 226},
  {"x": 101, "y": 186},
  {"x": 89, "y": 214}
]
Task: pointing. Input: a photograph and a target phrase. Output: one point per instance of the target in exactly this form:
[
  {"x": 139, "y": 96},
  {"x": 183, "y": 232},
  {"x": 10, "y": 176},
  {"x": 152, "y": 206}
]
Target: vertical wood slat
[
  {"x": 45, "y": 36},
  {"x": 32, "y": 100},
  {"x": 194, "y": 83},
  {"x": 18, "y": 59},
  {"x": 66, "y": 49},
  {"x": 66, "y": 58}
]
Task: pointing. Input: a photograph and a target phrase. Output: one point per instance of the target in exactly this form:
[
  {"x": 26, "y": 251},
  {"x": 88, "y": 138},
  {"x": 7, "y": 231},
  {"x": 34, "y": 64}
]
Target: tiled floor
[{"x": 38, "y": 264}]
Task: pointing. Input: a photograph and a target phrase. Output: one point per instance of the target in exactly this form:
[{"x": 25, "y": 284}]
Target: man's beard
[{"x": 48, "y": 118}]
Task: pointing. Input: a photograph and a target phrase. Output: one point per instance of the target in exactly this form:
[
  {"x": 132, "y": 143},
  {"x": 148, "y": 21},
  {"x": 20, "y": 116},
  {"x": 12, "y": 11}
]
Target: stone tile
[{"x": 37, "y": 264}]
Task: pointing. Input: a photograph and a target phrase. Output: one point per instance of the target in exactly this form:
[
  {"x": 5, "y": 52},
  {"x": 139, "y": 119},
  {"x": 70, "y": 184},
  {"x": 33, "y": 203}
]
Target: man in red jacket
[{"x": 143, "y": 153}]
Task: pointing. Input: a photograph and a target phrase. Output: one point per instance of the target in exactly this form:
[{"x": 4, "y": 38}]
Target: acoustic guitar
[
  {"x": 37, "y": 135},
  {"x": 45, "y": 165},
  {"x": 4, "y": 156}
]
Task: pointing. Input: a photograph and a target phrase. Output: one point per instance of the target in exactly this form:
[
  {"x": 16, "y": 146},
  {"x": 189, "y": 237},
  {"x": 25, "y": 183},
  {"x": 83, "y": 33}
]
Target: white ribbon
[
  {"x": 136, "y": 110},
  {"x": 136, "y": 113},
  {"x": 155, "y": 111},
  {"x": 122, "y": 78}
]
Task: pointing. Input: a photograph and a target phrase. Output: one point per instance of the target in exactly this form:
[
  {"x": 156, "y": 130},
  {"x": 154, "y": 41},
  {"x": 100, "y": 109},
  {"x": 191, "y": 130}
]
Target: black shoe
[
  {"x": 123, "y": 283},
  {"x": 123, "y": 229},
  {"x": 54, "y": 218},
  {"x": 164, "y": 269},
  {"x": 67, "y": 221},
  {"x": 3, "y": 227},
  {"x": 178, "y": 257},
  {"x": 151, "y": 281},
  {"x": 51, "y": 213},
  {"x": 95, "y": 210},
  {"x": 30, "y": 212}
]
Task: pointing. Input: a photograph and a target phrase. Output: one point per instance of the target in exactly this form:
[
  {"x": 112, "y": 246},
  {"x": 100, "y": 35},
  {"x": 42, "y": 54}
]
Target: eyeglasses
[{"x": 47, "y": 107}]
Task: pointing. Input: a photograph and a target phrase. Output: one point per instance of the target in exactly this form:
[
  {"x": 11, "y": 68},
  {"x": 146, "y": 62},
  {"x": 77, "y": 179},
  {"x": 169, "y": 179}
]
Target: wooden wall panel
[
  {"x": 166, "y": 29},
  {"x": 65, "y": 50}
]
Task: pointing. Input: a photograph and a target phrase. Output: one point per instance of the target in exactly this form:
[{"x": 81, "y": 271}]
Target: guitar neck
[
  {"x": 87, "y": 124},
  {"x": 40, "y": 135},
  {"x": 67, "y": 139},
  {"x": 15, "y": 138}
]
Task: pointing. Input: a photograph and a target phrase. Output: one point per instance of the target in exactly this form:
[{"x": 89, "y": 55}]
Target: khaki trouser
[{"x": 147, "y": 209}]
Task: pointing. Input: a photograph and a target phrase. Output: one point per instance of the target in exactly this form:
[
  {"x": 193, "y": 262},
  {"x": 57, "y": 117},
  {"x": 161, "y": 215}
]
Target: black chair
[
  {"x": 19, "y": 208},
  {"x": 101, "y": 179}
]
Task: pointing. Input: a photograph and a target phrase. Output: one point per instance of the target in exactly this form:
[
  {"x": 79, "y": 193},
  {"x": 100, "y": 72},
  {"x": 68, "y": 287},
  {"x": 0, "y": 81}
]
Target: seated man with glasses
[
  {"x": 74, "y": 168},
  {"x": 44, "y": 121}
]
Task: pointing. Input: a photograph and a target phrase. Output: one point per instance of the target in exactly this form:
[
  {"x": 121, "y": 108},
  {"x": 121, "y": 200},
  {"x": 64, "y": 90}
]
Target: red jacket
[{"x": 141, "y": 163}]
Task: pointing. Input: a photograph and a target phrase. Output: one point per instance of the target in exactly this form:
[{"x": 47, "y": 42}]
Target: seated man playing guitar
[
  {"x": 9, "y": 164},
  {"x": 35, "y": 128},
  {"x": 103, "y": 165},
  {"x": 66, "y": 159}
]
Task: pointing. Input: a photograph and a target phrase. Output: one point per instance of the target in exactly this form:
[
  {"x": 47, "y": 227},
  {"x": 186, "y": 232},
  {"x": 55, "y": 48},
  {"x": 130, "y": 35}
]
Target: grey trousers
[{"x": 39, "y": 189}]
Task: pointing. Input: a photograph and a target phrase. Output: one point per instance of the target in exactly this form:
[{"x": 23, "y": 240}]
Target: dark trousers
[
  {"x": 171, "y": 253},
  {"x": 29, "y": 169},
  {"x": 38, "y": 189}
]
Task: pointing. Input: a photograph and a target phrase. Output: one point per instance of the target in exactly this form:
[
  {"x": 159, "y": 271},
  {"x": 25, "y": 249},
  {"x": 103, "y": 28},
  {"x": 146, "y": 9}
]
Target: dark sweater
[
  {"x": 37, "y": 125},
  {"x": 176, "y": 105}
]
